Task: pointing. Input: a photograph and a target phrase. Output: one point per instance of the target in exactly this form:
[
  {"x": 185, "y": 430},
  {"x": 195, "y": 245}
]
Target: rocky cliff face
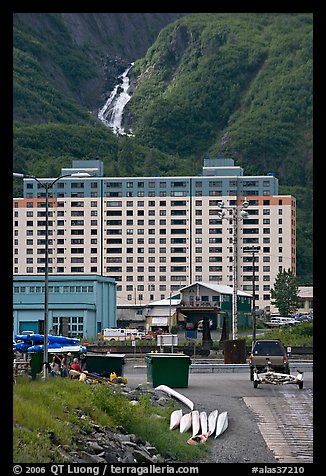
[
  {"x": 127, "y": 35},
  {"x": 110, "y": 40}
]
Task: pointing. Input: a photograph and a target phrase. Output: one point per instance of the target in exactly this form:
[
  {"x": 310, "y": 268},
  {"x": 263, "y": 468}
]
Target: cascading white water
[{"x": 112, "y": 112}]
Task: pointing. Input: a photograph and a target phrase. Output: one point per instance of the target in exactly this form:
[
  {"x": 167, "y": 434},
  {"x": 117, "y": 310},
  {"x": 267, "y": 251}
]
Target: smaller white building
[
  {"x": 162, "y": 314},
  {"x": 306, "y": 299}
]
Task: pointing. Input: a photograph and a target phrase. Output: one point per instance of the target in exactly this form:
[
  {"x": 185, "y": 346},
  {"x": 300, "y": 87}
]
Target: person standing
[
  {"x": 65, "y": 365},
  {"x": 55, "y": 367}
]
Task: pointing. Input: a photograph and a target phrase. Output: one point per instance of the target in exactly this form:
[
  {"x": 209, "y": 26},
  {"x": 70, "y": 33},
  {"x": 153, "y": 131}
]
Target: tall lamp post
[
  {"x": 253, "y": 250},
  {"x": 47, "y": 186},
  {"x": 233, "y": 219}
]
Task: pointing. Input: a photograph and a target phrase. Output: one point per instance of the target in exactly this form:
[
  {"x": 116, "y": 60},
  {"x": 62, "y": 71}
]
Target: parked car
[
  {"x": 265, "y": 351},
  {"x": 281, "y": 321},
  {"x": 301, "y": 318},
  {"x": 148, "y": 337}
]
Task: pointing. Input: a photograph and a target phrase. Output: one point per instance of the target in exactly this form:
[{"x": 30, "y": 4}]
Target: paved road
[{"x": 270, "y": 424}]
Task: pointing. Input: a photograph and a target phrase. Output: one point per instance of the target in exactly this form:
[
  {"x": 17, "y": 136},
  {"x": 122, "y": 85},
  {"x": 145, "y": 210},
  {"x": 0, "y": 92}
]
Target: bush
[{"x": 300, "y": 335}]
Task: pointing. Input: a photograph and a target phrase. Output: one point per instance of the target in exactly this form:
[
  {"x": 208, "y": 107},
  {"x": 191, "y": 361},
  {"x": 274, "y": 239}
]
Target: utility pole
[
  {"x": 47, "y": 186},
  {"x": 170, "y": 314},
  {"x": 253, "y": 250},
  {"x": 235, "y": 274},
  {"x": 233, "y": 219}
]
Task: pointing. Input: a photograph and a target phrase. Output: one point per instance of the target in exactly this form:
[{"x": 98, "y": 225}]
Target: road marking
[{"x": 286, "y": 424}]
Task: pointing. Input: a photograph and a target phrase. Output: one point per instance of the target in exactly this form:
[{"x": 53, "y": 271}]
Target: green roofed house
[
  {"x": 79, "y": 305},
  {"x": 199, "y": 300}
]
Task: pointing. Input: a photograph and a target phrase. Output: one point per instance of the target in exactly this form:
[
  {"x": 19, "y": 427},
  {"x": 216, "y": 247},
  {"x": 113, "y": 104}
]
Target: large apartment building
[{"x": 155, "y": 235}]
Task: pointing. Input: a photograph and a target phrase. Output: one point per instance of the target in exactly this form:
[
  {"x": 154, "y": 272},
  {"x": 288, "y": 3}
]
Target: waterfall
[{"x": 112, "y": 112}]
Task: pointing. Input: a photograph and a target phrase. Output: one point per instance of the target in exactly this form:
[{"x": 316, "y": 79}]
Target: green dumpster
[
  {"x": 168, "y": 369},
  {"x": 36, "y": 363},
  {"x": 104, "y": 364}
]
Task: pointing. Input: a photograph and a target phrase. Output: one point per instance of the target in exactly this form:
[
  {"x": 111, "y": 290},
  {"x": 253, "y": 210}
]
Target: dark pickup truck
[{"x": 265, "y": 351}]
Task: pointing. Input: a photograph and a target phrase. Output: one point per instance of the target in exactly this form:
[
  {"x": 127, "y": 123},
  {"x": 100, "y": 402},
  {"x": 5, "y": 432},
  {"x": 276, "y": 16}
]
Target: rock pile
[
  {"x": 104, "y": 445},
  {"x": 101, "y": 444}
]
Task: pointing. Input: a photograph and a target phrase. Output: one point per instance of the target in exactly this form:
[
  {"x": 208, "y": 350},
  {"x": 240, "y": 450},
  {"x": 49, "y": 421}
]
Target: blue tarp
[{"x": 35, "y": 343}]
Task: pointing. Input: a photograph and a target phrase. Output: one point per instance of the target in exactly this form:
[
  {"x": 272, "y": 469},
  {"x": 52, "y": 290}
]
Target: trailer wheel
[
  {"x": 300, "y": 384},
  {"x": 255, "y": 384},
  {"x": 251, "y": 375}
]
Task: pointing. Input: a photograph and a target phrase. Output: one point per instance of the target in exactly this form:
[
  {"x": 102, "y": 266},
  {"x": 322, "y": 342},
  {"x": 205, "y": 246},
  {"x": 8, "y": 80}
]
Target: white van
[
  {"x": 134, "y": 333},
  {"x": 114, "y": 333},
  {"x": 282, "y": 321}
]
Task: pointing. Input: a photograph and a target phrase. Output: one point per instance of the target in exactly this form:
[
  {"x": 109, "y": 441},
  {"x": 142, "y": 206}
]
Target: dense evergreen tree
[{"x": 285, "y": 292}]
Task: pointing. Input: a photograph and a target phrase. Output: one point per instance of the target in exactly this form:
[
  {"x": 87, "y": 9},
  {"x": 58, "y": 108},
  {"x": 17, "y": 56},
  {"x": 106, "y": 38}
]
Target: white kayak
[
  {"x": 185, "y": 422},
  {"x": 174, "y": 393},
  {"x": 203, "y": 422},
  {"x": 175, "y": 419},
  {"x": 221, "y": 424},
  {"x": 212, "y": 417},
  {"x": 195, "y": 422}
]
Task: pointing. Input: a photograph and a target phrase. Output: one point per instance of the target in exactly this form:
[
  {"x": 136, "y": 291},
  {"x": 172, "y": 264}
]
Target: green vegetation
[
  {"x": 36, "y": 96},
  {"x": 285, "y": 292},
  {"x": 62, "y": 143},
  {"x": 236, "y": 84},
  {"x": 42, "y": 407},
  {"x": 247, "y": 75},
  {"x": 299, "y": 335}
]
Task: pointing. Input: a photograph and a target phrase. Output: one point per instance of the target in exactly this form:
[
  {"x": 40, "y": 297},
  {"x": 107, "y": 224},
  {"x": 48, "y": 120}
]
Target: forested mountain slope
[
  {"x": 81, "y": 54},
  {"x": 237, "y": 83}
]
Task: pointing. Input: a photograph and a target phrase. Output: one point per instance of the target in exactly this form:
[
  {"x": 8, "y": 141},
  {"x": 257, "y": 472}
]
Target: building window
[
  {"x": 77, "y": 259},
  {"x": 77, "y": 269},
  {"x": 77, "y": 185}
]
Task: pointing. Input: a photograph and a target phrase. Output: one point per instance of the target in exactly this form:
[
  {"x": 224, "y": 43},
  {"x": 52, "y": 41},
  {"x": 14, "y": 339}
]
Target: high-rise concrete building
[{"x": 154, "y": 235}]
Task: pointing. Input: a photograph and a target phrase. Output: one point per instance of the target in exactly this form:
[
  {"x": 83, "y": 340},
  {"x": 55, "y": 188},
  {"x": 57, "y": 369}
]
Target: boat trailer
[{"x": 276, "y": 378}]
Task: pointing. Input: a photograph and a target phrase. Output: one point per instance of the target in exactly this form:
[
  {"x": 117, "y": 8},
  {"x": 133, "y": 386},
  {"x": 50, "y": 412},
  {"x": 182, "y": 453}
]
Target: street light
[
  {"x": 253, "y": 250},
  {"x": 47, "y": 186},
  {"x": 234, "y": 220}
]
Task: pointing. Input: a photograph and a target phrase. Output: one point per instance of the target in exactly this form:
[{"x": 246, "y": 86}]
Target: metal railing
[{"x": 200, "y": 367}]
